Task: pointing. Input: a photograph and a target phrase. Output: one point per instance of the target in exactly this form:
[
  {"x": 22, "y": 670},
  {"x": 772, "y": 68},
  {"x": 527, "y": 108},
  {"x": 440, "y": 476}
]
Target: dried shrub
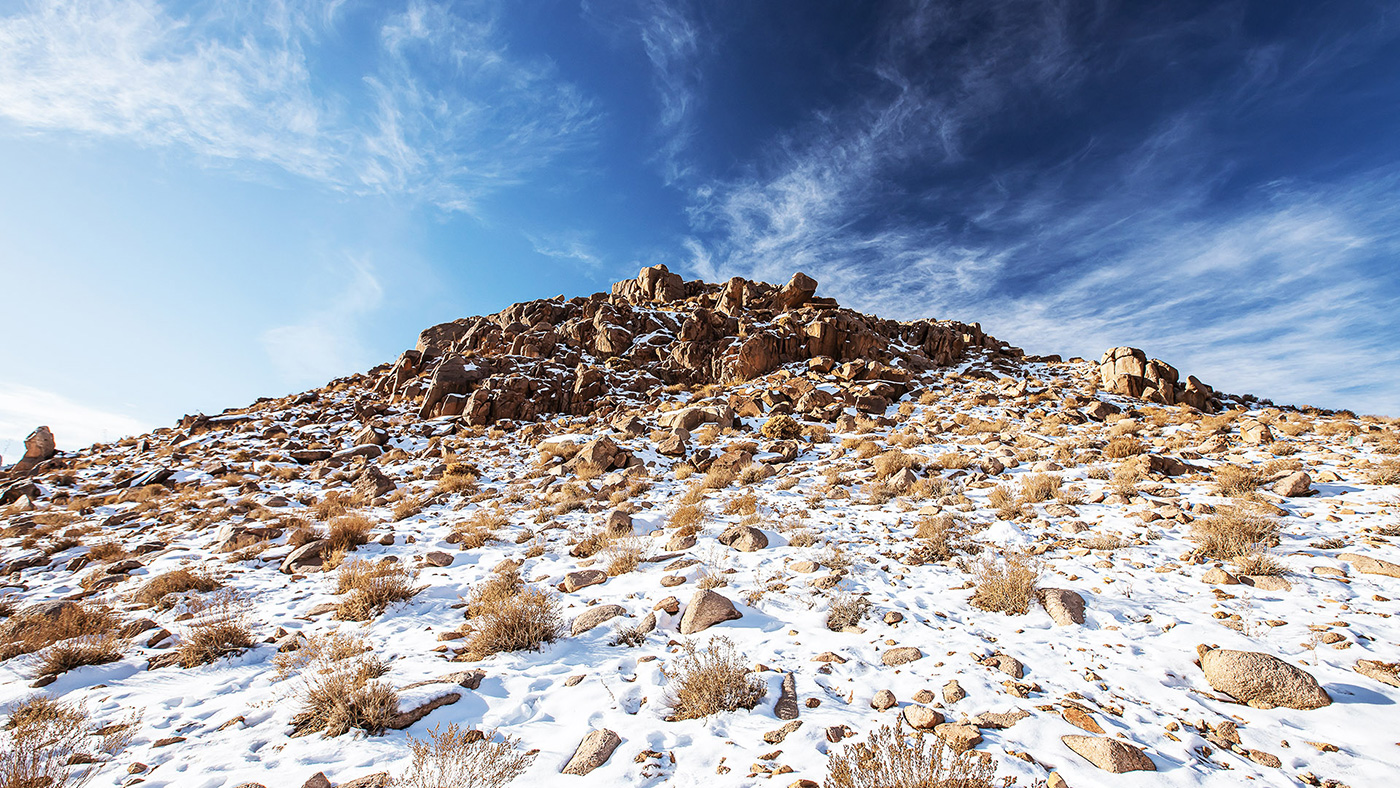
[
  {"x": 78, "y": 652},
  {"x": 846, "y": 610},
  {"x": 953, "y": 461},
  {"x": 692, "y": 514},
  {"x": 407, "y": 506},
  {"x": 1125, "y": 479},
  {"x": 1037, "y": 487},
  {"x": 1236, "y": 481},
  {"x": 220, "y": 628},
  {"x": 1234, "y": 531},
  {"x": 157, "y": 590},
  {"x": 334, "y": 504},
  {"x": 894, "y": 758},
  {"x": 892, "y": 462},
  {"x": 464, "y": 759},
  {"x": 1122, "y": 447},
  {"x": 507, "y": 615},
  {"x": 1005, "y": 586},
  {"x": 348, "y": 531},
  {"x": 36, "y": 628},
  {"x": 342, "y": 694},
  {"x": 782, "y": 427},
  {"x": 705, "y": 682},
  {"x": 802, "y": 537},
  {"x": 474, "y": 532},
  {"x": 371, "y": 587},
  {"x": 42, "y": 744},
  {"x": 718, "y": 478},
  {"x": 107, "y": 551},
  {"x": 742, "y": 504},
  {"x": 1260, "y": 563},
  {"x": 624, "y": 554},
  {"x": 1387, "y": 472}
]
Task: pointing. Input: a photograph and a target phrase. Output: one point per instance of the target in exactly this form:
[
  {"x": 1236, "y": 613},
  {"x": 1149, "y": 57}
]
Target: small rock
[
  {"x": 901, "y": 655},
  {"x": 922, "y": 717},
  {"x": 583, "y": 578},
  {"x": 1065, "y": 607},
  {"x": 438, "y": 558},
  {"x": 595, "y": 616},
  {"x": 594, "y": 751},
  {"x": 953, "y": 692},
  {"x": 960, "y": 737},
  {"x": 706, "y": 609},
  {"x": 777, "y": 736},
  {"x": 884, "y": 699},
  {"x": 1110, "y": 754}
]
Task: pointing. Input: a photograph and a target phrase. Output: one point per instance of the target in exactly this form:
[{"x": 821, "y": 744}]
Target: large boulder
[
  {"x": 1065, "y": 607},
  {"x": 1367, "y": 565},
  {"x": 594, "y": 751},
  {"x": 1109, "y": 754},
  {"x": 1128, "y": 371},
  {"x": 1260, "y": 680},
  {"x": 594, "y": 616},
  {"x": 38, "y": 447},
  {"x": 798, "y": 291},
  {"x": 744, "y": 538},
  {"x": 706, "y": 609}
]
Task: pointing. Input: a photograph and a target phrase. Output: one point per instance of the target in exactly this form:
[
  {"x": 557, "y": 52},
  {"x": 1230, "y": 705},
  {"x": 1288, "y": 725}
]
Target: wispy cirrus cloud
[
  {"x": 1138, "y": 236},
  {"x": 326, "y": 342},
  {"x": 442, "y": 111}
]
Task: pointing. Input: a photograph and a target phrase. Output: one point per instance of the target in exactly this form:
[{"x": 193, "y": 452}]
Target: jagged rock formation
[
  {"x": 586, "y": 354},
  {"x": 1127, "y": 371}
]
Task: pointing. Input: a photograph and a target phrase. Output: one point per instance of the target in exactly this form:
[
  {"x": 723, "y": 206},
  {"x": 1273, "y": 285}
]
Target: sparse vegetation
[
  {"x": 1005, "y": 586},
  {"x": 705, "y": 681},
  {"x": 158, "y": 590},
  {"x": 1234, "y": 531},
  {"x": 221, "y": 628},
  {"x": 464, "y": 758},
  {"x": 507, "y": 615},
  {"x": 846, "y": 610},
  {"x": 894, "y": 758},
  {"x": 33, "y": 629},
  {"x": 371, "y": 587}
]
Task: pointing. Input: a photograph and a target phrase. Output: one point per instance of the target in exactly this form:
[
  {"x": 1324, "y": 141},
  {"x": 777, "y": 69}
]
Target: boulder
[
  {"x": 308, "y": 555},
  {"x": 798, "y": 291},
  {"x": 922, "y": 718},
  {"x": 583, "y": 578},
  {"x": 1367, "y": 565},
  {"x": 1065, "y": 607},
  {"x": 786, "y": 706},
  {"x": 38, "y": 447},
  {"x": 372, "y": 483},
  {"x": 901, "y": 655},
  {"x": 594, "y": 751},
  {"x": 882, "y": 700},
  {"x": 706, "y": 609},
  {"x": 959, "y": 736},
  {"x": 744, "y": 538},
  {"x": 1294, "y": 485},
  {"x": 595, "y": 616},
  {"x": 1261, "y": 680},
  {"x": 1109, "y": 754}
]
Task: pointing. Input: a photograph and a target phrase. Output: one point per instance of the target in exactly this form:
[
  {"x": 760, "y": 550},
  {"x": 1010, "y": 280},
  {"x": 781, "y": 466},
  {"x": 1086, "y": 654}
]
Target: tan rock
[
  {"x": 1065, "y": 607},
  {"x": 884, "y": 699},
  {"x": 594, "y": 751},
  {"x": 958, "y": 736},
  {"x": 1367, "y": 565},
  {"x": 1261, "y": 680},
  {"x": 922, "y": 717},
  {"x": 706, "y": 609},
  {"x": 1293, "y": 485},
  {"x": 583, "y": 578},
  {"x": 744, "y": 538},
  {"x": 594, "y": 616},
  {"x": 902, "y": 655},
  {"x": 1109, "y": 754}
]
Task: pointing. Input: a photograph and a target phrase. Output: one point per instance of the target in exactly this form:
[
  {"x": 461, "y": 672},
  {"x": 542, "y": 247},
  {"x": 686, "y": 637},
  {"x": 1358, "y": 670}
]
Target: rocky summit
[{"x": 728, "y": 533}]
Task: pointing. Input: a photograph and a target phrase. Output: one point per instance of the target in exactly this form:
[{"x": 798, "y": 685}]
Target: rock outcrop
[{"x": 1128, "y": 371}]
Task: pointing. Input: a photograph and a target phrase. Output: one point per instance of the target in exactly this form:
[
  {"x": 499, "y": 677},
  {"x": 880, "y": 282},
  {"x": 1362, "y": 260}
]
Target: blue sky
[{"x": 207, "y": 202}]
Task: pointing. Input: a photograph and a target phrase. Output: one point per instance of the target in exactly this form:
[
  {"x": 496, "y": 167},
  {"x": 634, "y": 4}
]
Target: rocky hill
[{"x": 688, "y": 533}]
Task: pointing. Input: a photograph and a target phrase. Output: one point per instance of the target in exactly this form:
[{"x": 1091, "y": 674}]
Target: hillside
[{"x": 685, "y": 533}]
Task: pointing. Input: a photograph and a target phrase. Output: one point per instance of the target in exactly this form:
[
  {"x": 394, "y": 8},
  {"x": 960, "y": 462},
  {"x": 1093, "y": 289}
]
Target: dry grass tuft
[
  {"x": 33, "y": 629},
  {"x": 1122, "y": 447},
  {"x": 782, "y": 427},
  {"x": 42, "y": 745},
  {"x": 348, "y": 531},
  {"x": 892, "y": 462},
  {"x": 704, "y": 682},
  {"x": 691, "y": 514},
  {"x": 1234, "y": 531},
  {"x": 372, "y": 587},
  {"x": 78, "y": 652},
  {"x": 157, "y": 590},
  {"x": 893, "y": 758},
  {"x": 846, "y": 610},
  {"x": 507, "y": 615},
  {"x": 1037, "y": 487},
  {"x": 624, "y": 554},
  {"x": 1005, "y": 586},
  {"x": 1387, "y": 472},
  {"x": 221, "y": 628},
  {"x": 464, "y": 758},
  {"x": 334, "y": 504},
  {"x": 1236, "y": 481},
  {"x": 1260, "y": 563},
  {"x": 341, "y": 694}
]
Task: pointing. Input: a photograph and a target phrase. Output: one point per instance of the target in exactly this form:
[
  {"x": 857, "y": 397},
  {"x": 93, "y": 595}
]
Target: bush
[
  {"x": 31, "y": 630},
  {"x": 341, "y": 694},
  {"x": 87, "y": 650},
  {"x": 372, "y": 588},
  {"x": 41, "y": 739},
  {"x": 464, "y": 759},
  {"x": 1005, "y": 586},
  {"x": 1234, "y": 531},
  {"x": 782, "y": 427},
  {"x": 687, "y": 515},
  {"x": 220, "y": 629},
  {"x": 846, "y": 610},
  {"x": 1387, "y": 472},
  {"x": 893, "y": 758},
  {"x": 953, "y": 461},
  {"x": 1037, "y": 487},
  {"x": 624, "y": 554},
  {"x": 177, "y": 581},
  {"x": 1126, "y": 446},
  {"x": 704, "y": 682},
  {"x": 892, "y": 462},
  {"x": 1260, "y": 564},
  {"x": 348, "y": 532},
  {"x": 1236, "y": 481},
  {"x": 506, "y": 615}
]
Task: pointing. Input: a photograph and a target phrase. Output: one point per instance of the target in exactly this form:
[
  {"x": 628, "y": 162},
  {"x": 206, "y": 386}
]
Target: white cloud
[
  {"x": 445, "y": 114},
  {"x": 569, "y": 247},
  {"x": 326, "y": 344},
  {"x": 74, "y": 424}
]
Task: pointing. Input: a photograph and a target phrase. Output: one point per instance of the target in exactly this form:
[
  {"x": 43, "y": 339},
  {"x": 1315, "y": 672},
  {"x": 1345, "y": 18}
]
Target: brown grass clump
[
  {"x": 348, "y": 531},
  {"x": 1260, "y": 563},
  {"x": 1005, "y": 586},
  {"x": 479, "y": 529},
  {"x": 742, "y": 504},
  {"x": 342, "y": 694},
  {"x": 1037, "y": 487},
  {"x": 220, "y": 629},
  {"x": 469, "y": 758},
  {"x": 1126, "y": 446},
  {"x": 624, "y": 555},
  {"x": 704, "y": 682},
  {"x": 78, "y": 652},
  {"x": 507, "y": 615},
  {"x": 953, "y": 461},
  {"x": 846, "y": 610},
  {"x": 31, "y": 630},
  {"x": 892, "y": 462},
  {"x": 1236, "y": 481},
  {"x": 1125, "y": 479},
  {"x": 156, "y": 591},
  {"x": 371, "y": 587},
  {"x": 782, "y": 427},
  {"x": 1234, "y": 531},
  {"x": 40, "y": 743},
  {"x": 334, "y": 504},
  {"x": 692, "y": 514},
  {"x": 718, "y": 478},
  {"x": 1387, "y": 472},
  {"x": 893, "y": 758}
]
